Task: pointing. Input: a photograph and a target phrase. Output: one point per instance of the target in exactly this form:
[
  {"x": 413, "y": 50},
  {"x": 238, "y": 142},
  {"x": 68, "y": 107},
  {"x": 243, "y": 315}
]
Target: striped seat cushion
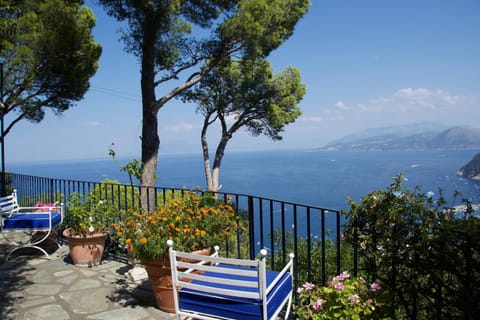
[{"x": 234, "y": 307}]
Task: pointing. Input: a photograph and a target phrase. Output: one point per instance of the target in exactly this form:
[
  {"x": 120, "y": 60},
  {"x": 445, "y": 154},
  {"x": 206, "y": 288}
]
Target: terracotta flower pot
[
  {"x": 86, "y": 251},
  {"x": 160, "y": 276}
]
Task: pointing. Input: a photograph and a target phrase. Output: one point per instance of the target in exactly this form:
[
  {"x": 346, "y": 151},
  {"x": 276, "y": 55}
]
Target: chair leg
[
  {"x": 31, "y": 243},
  {"x": 289, "y": 306},
  {"x": 9, "y": 252}
]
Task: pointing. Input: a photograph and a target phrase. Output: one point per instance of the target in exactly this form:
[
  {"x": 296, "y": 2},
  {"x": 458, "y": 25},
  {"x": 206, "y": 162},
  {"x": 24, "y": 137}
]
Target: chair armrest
[{"x": 288, "y": 267}]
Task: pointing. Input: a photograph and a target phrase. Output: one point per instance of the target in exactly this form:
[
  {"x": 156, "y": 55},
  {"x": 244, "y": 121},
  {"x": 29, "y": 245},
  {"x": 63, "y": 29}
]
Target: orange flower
[
  {"x": 128, "y": 241},
  {"x": 143, "y": 240}
]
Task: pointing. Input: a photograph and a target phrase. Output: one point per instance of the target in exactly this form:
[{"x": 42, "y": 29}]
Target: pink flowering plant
[
  {"x": 344, "y": 298},
  {"x": 46, "y": 206}
]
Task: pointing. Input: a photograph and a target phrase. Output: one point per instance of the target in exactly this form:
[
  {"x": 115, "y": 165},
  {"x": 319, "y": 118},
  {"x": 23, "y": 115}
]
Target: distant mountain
[
  {"x": 399, "y": 131},
  {"x": 419, "y": 137},
  {"x": 471, "y": 170}
]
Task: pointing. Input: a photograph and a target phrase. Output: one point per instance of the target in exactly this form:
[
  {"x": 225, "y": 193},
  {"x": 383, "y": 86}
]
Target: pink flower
[
  {"x": 318, "y": 304},
  {"x": 374, "y": 287},
  {"x": 345, "y": 275},
  {"x": 300, "y": 290},
  {"x": 369, "y": 301},
  {"x": 354, "y": 298},
  {"x": 339, "y": 286},
  {"x": 308, "y": 286},
  {"x": 44, "y": 207}
]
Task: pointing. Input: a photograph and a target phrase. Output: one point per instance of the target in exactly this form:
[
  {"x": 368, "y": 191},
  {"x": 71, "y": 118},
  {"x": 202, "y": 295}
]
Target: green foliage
[
  {"x": 262, "y": 102},
  {"x": 49, "y": 56},
  {"x": 343, "y": 298},
  {"x": 8, "y": 10},
  {"x": 120, "y": 196},
  {"x": 90, "y": 214},
  {"x": 313, "y": 273},
  {"x": 260, "y": 26},
  {"x": 422, "y": 251}
]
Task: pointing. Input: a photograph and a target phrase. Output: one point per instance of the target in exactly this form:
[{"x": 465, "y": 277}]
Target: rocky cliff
[{"x": 471, "y": 170}]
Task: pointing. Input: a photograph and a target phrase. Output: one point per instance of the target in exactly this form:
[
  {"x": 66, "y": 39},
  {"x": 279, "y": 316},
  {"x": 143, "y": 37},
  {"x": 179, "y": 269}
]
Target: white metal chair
[
  {"x": 37, "y": 223},
  {"x": 226, "y": 288}
]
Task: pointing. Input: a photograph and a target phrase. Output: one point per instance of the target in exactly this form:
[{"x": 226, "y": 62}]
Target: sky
[{"x": 365, "y": 64}]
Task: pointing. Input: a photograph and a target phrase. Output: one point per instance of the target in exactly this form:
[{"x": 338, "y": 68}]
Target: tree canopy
[
  {"x": 180, "y": 41},
  {"x": 49, "y": 55},
  {"x": 245, "y": 94}
]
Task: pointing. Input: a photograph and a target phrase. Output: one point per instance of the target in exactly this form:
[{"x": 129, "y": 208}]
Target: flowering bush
[
  {"x": 90, "y": 215},
  {"x": 45, "y": 206},
  {"x": 343, "y": 298},
  {"x": 193, "y": 222}
]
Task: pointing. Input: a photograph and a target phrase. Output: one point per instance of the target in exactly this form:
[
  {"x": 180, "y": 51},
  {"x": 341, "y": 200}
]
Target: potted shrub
[
  {"x": 194, "y": 222},
  {"x": 88, "y": 223}
]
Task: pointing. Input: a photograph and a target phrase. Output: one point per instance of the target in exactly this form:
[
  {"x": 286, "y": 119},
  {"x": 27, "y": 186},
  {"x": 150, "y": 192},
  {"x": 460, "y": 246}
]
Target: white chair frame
[
  {"x": 10, "y": 209},
  {"x": 185, "y": 272}
]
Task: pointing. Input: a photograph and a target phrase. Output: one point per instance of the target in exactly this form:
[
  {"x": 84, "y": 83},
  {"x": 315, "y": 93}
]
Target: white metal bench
[
  {"x": 226, "y": 288},
  {"x": 37, "y": 224}
]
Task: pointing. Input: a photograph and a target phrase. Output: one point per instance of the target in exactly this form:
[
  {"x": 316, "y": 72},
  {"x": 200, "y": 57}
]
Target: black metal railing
[{"x": 278, "y": 226}]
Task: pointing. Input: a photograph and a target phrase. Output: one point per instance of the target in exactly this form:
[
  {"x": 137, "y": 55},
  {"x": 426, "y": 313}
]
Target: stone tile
[
  {"x": 62, "y": 273},
  {"x": 87, "y": 272},
  {"x": 68, "y": 280},
  {"x": 42, "y": 276},
  {"x": 85, "y": 284},
  {"x": 44, "y": 289},
  {"x": 87, "y": 301},
  {"x": 37, "y": 301},
  {"x": 121, "y": 314},
  {"x": 52, "y": 311}
]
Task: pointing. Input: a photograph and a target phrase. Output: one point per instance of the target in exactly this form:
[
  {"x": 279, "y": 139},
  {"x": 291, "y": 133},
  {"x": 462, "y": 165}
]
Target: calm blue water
[{"x": 315, "y": 178}]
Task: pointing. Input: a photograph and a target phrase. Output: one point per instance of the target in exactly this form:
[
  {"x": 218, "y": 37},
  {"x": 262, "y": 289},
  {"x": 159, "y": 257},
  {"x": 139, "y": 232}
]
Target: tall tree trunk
[
  {"x": 218, "y": 161},
  {"x": 206, "y": 155},
  {"x": 150, "y": 138}
]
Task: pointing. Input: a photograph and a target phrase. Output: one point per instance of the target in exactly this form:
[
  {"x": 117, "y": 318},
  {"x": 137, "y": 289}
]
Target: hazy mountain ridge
[{"x": 420, "y": 138}]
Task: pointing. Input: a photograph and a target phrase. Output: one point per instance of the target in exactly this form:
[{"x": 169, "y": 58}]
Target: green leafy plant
[
  {"x": 343, "y": 298},
  {"x": 193, "y": 222},
  {"x": 425, "y": 253},
  {"x": 89, "y": 215}
]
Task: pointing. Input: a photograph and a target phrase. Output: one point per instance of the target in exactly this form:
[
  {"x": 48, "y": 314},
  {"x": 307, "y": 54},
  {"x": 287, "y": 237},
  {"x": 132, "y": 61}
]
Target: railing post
[
  {"x": 338, "y": 242},
  {"x": 324, "y": 265},
  {"x": 355, "y": 247},
  {"x": 251, "y": 228}
]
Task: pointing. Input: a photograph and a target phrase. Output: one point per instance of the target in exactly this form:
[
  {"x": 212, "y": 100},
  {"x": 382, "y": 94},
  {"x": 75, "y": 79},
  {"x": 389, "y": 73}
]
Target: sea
[{"x": 318, "y": 178}]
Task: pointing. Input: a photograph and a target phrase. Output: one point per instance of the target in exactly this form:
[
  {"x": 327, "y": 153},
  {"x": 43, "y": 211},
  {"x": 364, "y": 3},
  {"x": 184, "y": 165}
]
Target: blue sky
[{"x": 366, "y": 64}]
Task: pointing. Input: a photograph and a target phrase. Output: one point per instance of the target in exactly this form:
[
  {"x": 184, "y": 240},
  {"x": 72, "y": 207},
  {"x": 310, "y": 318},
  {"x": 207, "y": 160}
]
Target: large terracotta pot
[
  {"x": 160, "y": 276},
  {"x": 85, "y": 251}
]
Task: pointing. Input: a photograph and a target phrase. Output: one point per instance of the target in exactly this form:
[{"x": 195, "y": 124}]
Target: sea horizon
[{"x": 312, "y": 177}]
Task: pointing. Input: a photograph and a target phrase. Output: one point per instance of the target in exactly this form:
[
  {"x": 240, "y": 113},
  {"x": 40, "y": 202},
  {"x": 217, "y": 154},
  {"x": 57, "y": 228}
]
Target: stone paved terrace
[{"x": 33, "y": 287}]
